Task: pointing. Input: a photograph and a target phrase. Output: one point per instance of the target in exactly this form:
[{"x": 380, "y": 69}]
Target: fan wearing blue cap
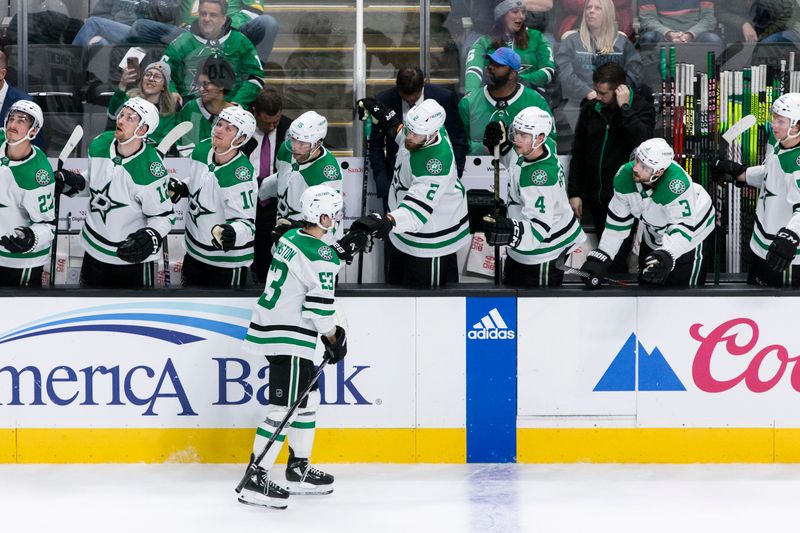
[{"x": 535, "y": 64}]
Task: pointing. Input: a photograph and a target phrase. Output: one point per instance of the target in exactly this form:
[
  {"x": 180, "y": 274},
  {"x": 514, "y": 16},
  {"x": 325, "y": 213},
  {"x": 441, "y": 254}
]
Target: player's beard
[{"x": 495, "y": 82}]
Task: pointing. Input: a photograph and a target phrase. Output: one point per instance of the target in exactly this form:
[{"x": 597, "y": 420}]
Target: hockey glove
[
  {"x": 348, "y": 246},
  {"x": 782, "y": 251},
  {"x": 223, "y": 237},
  {"x": 727, "y": 171},
  {"x": 68, "y": 182},
  {"x": 22, "y": 240},
  {"x": 336, "y": 350},
  {"x": 139, "y": 245},
  {"x": 657, "y": 266},
  {"x": 503, "y": 231},
  {"x": 383, "y": 116},
  {"x": 177, "y": 190},
  {"x": 375, "y": 225},
  {"x": 597, "y": 265},
  {"x": 496, "y": 134},
  {"x": 282, "y": 226}
]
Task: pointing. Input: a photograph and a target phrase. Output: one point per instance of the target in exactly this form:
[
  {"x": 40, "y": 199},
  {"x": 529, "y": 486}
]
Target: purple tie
[{"x": 264, "y": 165}]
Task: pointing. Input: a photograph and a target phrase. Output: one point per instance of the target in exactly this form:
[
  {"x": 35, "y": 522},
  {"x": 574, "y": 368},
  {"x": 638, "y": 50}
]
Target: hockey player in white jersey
[
  {"x": 427, "y": 220},
  {"x": 296, "y": 307},
  {"x": 27, "y": 197},
  {"x": 677, "y": 215},
  {"x": 774, "y": 260},
  {"x": 541, "y": 225},
  {"x": 129, "y": 210},
  {"x": 302, "y": 162},
  {"x": 222, "y": 191}
]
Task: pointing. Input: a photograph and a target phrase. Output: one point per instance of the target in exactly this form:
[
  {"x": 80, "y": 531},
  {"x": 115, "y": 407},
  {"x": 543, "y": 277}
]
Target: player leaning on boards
[
  {"x": 296, "y": 307},
  {"x": 129, "y": 211},
  {"x": 774, "y": 260},
  {"x": 428, "y": 220},
  {"x": 541, "y": 225},
  {"x": 302, "y": 162},
  {"x": 220, "y": 219},
  {"x": 677, "y": 215},
  {"x": 27, "y": 197}
]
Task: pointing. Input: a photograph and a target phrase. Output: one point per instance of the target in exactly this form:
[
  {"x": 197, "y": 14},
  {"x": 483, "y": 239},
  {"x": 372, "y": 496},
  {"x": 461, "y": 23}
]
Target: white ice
[{"x": 178, "y": 498}]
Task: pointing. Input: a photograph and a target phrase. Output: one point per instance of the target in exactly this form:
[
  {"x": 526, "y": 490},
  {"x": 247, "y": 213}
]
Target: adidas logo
[{"x": 492, "y": 326}]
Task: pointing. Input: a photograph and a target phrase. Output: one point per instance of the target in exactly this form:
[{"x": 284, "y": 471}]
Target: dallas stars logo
[
  {"x": 196, "y": 209},
  {"x": 102, "y": 203},
  {"x": 329, "y": 172},
  {"x": 242, "y": 174},
  {"x": 42, "y": 177},
  {"x": 157, "y": 169},
  {"x": 766, "y": 193},
  {"x": 325, "y": 252},
  {"x": 434, "y": 166},
  {"x": 539, "y": 177},
  {"x": 677, "y": 186}
]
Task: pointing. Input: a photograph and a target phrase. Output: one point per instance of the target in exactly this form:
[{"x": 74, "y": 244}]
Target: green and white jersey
[
  {"x": 677, "y": 213},
  {"x": 127, "y": 194},
  {"x": 220, "y": 194},
  {"x": 537, "y": 197},
  {"x": 427, "y": 200},
  {"x": 778, "y": 181},
  {"x": 297, "y": 303},
  {"x": 291, "y": 179},
  {"x": 27, "y": 196}
]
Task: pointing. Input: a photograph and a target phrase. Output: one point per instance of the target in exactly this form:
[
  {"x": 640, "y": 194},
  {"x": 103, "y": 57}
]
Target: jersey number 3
[{"x": 273, "y": 290}]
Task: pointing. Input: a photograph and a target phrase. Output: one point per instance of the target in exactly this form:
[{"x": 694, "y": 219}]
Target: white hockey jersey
[
  {"x": 427, "y": 200},
  {"x": 297, "y": 303},
  {"x": 220, "y": 194},
  {"x": 537, "y": 196},
  {"x": 677, "y": 213},
  {"x": 27, "y": 196},
  {"x": 127, "y": 194}
]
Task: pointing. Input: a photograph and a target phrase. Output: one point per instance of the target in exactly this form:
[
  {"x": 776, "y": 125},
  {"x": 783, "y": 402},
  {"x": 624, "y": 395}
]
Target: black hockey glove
[
  {"x": 496, "y": 134},
  {"x": 375, "y": 225},
  {"x": 727, "y": 171},
  {"x": 177, "y": 190},
  {"x": 22, "y": 240},
  {"x": 597, "y": 265},
  {"x": 657, "y": 266},
  {"x": 282, "y": 226},
  {"x": 503, "y": 231},
  {"x": 781, "y": 252},
  {"x": 348, "y": 246},
  {"x": 223, "y": 237},
  {"x": 139, "y": 245},
  {"x": 68, "y": 182},
  {"x": 336, "y": 350},
  {"x": 383, "y": 116}
]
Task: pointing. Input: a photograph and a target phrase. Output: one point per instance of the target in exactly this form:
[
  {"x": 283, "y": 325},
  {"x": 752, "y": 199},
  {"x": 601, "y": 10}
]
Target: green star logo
[
  {"x": 330, "y": 172},
  {"x": 434, "y": 166},
  {"x": 196, "y": 209},
  {"x": 102, "y": 203}
]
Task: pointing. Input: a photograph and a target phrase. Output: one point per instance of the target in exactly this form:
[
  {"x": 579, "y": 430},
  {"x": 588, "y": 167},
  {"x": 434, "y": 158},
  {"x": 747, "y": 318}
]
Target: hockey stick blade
[
  {"x": 172, "y": 137},
  {"x": 74, "y": 138},
  {"x": 561, "y": 264},
  {"x": 739, "y": 128}
]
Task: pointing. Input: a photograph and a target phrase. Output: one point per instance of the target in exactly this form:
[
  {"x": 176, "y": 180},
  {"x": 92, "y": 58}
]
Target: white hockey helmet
[
  {"x": 148, "y": 115},
  {"x": 425, "y": 118},
  {"x": 320, "y": 200},
  {"x": 241, "y": 119},
  {"x": 656, "y": 154},
  {"x": 31, "y": 109},
  {"x": 310, "y": 127},
  {"x": 534, "y": 121},
  {"x": 788, "y": 105}
]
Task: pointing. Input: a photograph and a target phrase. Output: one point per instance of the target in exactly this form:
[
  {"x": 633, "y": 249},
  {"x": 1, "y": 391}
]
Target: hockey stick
[
  {"x": 74, "y": 138},
  {"x": 739, "y": 128},
  {"x": 364, "y": 186},
  {"x": 498, "y": 275},
  {"x": 594, "y": 280},
  {"x": 163, "y": 147}
]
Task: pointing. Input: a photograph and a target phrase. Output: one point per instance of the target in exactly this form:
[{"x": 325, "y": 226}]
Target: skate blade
[
  {"x": 270, "y": 503},
  {"x": 305, "y": 489}
]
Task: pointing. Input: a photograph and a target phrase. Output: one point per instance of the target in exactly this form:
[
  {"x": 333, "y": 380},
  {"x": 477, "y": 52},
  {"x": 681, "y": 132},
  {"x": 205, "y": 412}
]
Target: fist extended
[{"x": 375, "y": 225}]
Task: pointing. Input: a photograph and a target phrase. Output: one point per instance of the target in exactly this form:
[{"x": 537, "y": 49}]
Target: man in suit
[
  {"x": 9, "y": 95},
  {"x": 271, "y": 127},
  {"x": 409, "y": 90}
]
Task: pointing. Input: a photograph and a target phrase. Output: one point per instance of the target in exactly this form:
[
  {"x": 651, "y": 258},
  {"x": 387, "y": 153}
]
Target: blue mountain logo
[{"x": 655, "y": 374}]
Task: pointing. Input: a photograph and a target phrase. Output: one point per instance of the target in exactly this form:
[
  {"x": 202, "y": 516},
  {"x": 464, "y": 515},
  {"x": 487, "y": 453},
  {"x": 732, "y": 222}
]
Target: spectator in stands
[
  {"x": 571, "y": 12},
  {"x": 537, "y": 16},
  {"x": 776, "y": 21},
  {"x": 678, "y": 21},
  {"x": 409, "y": 90},
  {"x": 153, "y": 86},
  {"x": 736, "y": 19},
  {"x": 211, "y": 35},
  {"x": 597, "y": 42},
  {"x": 500, "y": 100},
  {"x": 509, "y": 31},
  {"x": 214, "y": 82},
  {"x": 110, "y": 21},
  {"x": 271, "y": 128},
  {"x": 608, "y": 130},
  {"x": 10, "y": 94}
]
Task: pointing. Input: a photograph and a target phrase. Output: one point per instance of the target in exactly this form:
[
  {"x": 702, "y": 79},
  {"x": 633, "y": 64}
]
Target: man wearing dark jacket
[
  {"x": 410, "y": 89},
  {"x": 608, "y": 130}
]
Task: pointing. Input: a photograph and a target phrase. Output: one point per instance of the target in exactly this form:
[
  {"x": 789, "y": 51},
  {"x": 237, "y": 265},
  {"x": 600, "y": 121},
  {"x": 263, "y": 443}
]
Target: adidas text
[{"x": 490, "y": 334}]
